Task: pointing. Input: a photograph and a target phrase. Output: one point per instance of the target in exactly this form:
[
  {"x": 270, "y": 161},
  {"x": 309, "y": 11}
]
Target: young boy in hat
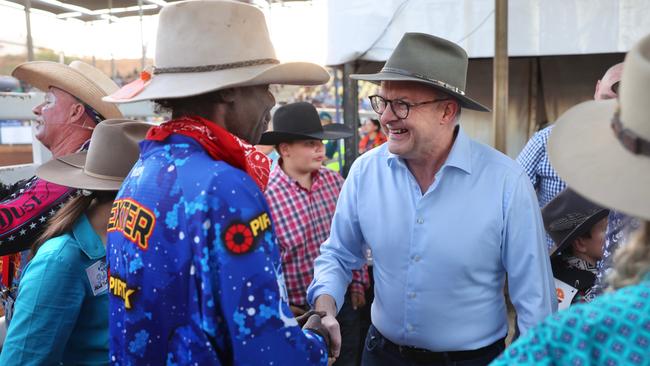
[
  {"x": 577, "y": 227},
  {"x": 302, "y": 194}
]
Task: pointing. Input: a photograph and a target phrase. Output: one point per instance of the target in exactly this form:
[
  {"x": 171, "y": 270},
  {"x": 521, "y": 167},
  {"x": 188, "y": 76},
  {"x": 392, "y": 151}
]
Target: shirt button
[
  {"x": 420, "y": 221},
  {"x": 411, "y": 295},
  {"x": 409, "y": 327},
  {"x": 416, "y": 258}
]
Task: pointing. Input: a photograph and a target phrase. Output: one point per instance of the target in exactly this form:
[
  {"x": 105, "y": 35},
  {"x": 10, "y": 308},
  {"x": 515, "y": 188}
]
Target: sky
[{"x": 298, "y": 31}]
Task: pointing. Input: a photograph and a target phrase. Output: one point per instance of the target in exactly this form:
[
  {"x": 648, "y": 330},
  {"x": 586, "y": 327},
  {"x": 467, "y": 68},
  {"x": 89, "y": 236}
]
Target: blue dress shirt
[
  {"x": 61, "y": 312},
  {"x": 440, "y": 258}
]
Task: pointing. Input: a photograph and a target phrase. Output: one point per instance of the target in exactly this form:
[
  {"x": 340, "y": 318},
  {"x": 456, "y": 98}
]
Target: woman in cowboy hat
[
  {"x": 61, "y": 312},
  {"x": 613, "y": 329}
]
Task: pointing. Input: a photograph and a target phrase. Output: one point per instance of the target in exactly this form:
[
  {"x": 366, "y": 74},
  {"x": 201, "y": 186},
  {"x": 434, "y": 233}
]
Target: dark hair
[
  {"x": 195, "y": 105},
  {"x": 375, "y": 122},
  {"x": 65, "y": 218}
]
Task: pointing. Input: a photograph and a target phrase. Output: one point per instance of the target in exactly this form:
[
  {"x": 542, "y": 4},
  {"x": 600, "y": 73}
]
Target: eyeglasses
[{"x": 399, "y": 107}]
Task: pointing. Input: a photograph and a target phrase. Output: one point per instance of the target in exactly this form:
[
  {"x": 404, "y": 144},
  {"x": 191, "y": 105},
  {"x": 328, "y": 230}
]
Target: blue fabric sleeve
[
  {"x": 342, "y": 251},
  {"x": 524, "y": 254},
  {"x": 45, "y": 313},
  {"x": 250, "y": 289},
  {"x": 530, "y": 157}
]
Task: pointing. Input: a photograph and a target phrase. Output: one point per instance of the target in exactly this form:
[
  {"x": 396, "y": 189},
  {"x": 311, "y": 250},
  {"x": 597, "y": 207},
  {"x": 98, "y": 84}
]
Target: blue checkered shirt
[{"x": 534, "y": 159}]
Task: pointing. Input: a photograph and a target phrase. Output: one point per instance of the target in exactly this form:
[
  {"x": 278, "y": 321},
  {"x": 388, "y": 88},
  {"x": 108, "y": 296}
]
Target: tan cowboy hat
[
  {"x": 79, "y": 79},
  {"x": 429, "y": 60},
  {"x": 203, "y": 46},
  {"x": 112, "y": 152},
  {"x": 602, "y": 148}
]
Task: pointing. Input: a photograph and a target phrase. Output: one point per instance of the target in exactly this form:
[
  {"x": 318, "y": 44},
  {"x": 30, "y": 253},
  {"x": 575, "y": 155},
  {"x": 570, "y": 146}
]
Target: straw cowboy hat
[
  {"x": 429, "y": 60},
  {"x": 602, "y": 148},
  {"x": 300, "y": 121},
  {"x": 113, "y": 151},
  {"x": 203, "y": 46},
  {"x": 79, "y": 79},
  {"x": 569, "y": 216}
]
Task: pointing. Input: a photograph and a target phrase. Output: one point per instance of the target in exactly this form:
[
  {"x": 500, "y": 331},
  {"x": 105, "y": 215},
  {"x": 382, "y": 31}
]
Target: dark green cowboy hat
[{"x": 429, "y": 60}]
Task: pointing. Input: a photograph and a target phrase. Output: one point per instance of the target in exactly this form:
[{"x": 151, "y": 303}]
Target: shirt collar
[
  {"x": 292, "y": 182},
  {"x": 88, "y": 240},
  {"x": 459, "y": 157}
]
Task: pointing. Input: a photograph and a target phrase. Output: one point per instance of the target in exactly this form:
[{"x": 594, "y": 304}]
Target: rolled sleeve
[
  {"x": 524, "y": 254},
  {"x": 342, "y": 251}
]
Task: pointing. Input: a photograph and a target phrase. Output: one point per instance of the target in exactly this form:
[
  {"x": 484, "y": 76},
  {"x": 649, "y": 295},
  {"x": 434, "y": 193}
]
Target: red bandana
[{"x": 219, "y": 144}]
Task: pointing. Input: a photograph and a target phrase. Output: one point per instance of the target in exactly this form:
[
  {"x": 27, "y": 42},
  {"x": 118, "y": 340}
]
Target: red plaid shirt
[{"x": 302, "y": 220}]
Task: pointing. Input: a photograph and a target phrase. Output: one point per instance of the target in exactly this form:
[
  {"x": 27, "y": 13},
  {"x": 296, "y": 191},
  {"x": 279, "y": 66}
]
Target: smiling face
[
  {"x": 302, "y": 156},
  {"x": 426, "y": 129}
]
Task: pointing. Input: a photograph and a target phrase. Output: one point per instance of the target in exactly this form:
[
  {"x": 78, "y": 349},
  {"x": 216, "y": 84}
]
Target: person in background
[
  {"x": 614, "y": 328},
  {"x": 197, "y": 277},
  {"x": 577, "y": 227},
  {"x": 64, "y": 123},
  {"x": 534, "y": 156},
  {"x": 372, "y": 135},
  {"x": 302, "y": 195},
  {"x": 61, "y": 312}
]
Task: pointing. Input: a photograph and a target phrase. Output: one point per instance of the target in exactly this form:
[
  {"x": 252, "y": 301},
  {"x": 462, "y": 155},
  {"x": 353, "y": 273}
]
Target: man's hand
[
  {"x": 315, "y": 325},
  {"x": 327, "y": 304},
  {"x": 302, "y": 319},
  {"x": 358, "y": 300},
  {"x": 297, "y": 311}
]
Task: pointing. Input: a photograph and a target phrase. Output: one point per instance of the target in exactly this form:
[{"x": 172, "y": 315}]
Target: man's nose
[{"x": 37, "y": 109}]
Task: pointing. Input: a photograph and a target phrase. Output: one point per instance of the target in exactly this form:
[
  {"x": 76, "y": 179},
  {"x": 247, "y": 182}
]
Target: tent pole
[
  {"x": 350, "y": 115},
  {"x": 28, "y": 23},
  {"x": 141, "y": 37},
  {"x": 500, "y": 83}
]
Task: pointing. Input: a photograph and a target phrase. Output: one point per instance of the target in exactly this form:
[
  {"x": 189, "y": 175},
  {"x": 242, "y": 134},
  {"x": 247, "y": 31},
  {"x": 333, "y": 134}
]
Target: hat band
[
  {"x": 102, "y": 176},
  {"x": 632, "y": 142},
  {"x": 420, "y": 76},
  {"x": 219, "y": 67}
]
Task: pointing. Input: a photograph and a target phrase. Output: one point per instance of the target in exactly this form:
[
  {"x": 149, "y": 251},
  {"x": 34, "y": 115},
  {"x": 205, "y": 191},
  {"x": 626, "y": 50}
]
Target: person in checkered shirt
[
  {"x": 534, "y": 157},
  {"x": 302, "y": 195}
]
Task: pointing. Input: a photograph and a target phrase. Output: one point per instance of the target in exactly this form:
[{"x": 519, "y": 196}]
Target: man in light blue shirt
[{"x": 446, "y": 218}]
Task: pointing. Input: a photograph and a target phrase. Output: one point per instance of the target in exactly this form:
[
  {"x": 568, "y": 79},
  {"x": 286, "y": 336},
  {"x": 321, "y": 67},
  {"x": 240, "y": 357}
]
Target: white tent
[{"x": 558, "y": 48}]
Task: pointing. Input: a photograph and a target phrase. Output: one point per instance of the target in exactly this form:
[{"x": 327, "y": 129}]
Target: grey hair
[{"x": 632, "y": 261}]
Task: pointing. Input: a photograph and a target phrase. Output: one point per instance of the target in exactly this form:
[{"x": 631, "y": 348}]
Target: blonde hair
[
  {"x": 632, "y": 261},
  {"x": 65, "y": 218}
]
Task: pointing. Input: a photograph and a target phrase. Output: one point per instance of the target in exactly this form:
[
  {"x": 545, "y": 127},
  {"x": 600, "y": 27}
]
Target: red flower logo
[{"x": 238, "y": 238}]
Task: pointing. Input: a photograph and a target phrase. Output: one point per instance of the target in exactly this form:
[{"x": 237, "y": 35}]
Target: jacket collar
[{"x": 88, "y": 240}]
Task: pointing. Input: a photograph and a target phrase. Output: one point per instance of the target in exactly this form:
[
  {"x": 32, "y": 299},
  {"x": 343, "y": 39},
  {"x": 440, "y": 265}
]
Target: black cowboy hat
[
  {"x": 568, "y": 216},
  {"x": 300, "y": 121}
]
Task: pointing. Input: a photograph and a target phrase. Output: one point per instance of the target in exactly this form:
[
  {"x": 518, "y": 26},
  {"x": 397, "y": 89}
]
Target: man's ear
[
  {"x": 450, "y": 112},
  {"x": 229, "y": 95},
  {"x": 77, "y": 111},
  {"x": 579, "y": 245}
]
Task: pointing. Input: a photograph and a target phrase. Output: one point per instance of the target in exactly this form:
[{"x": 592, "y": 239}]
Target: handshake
[{"x": 312, "y": 320}]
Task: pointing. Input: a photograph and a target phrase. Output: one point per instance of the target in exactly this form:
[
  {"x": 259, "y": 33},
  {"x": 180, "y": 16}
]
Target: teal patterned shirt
[{"x": 612, "y": 330}]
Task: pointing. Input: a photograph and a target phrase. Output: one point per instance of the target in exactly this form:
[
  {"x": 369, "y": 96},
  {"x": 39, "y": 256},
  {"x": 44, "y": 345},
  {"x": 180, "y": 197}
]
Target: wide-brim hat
[
  {"x": 79, "y": 79},
  {"x": 602, "y": 148},
  {"x": 112, "y": 152},
  {"x": 204, "y": 46},
  {"x": 430, "y": 60},
  {"x": 300, "y": 121},
  {"x": 568, "y": 216}
]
